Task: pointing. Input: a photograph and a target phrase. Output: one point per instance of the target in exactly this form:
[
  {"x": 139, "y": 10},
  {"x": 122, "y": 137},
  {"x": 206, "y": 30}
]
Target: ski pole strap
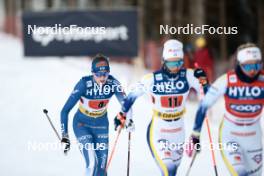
[{"x": 168, "y": 116}]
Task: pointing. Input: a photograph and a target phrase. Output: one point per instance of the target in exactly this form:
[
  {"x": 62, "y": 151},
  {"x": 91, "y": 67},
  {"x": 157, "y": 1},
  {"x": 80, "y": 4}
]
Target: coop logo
[
  {"x": 246, "y": 108},
  {"x": 244, "y": 91}
]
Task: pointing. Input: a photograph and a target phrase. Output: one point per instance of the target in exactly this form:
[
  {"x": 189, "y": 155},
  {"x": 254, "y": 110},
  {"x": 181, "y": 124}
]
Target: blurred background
[
  {"x": 40, "y": 71},
  {"x": 247, "y": 15}
]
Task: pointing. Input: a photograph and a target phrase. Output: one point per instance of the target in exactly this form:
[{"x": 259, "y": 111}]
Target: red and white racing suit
[{"x": 240, "y": 130}]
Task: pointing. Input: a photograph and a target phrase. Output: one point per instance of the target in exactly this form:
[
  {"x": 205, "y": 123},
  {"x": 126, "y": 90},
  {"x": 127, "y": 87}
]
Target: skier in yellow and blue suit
[{"x": 168, "y": 88}]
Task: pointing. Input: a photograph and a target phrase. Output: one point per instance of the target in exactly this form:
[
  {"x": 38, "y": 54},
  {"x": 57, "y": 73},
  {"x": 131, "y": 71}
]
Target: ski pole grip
[{"x": 45, "y": 111}]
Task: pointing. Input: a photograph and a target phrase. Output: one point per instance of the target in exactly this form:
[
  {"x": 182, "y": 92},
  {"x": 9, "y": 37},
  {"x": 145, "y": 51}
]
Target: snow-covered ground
[{"x": 30, "y": 84}]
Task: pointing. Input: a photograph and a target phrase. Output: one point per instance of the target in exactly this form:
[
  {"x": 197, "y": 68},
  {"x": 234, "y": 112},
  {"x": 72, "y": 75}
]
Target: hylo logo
[{"x": 244, "y": 91}]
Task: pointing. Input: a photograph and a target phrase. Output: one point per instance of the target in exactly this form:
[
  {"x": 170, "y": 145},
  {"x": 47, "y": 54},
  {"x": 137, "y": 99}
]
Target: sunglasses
[
  {"x": 99, "y": 74},
  {"x": 250, "y": 67},
  {"x": 173, "y": 64}
]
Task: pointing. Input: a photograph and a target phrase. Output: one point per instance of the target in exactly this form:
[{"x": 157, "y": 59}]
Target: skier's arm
[
  {"x": 76, "y": 94},
  {"x": 196, "y": 79},
  {"x": 217, "y": 90},
  {"x": 119, "y": 92},
  {"x": 125, "y": 115},
  {"x": 141, "y": 88},
  {"x": 203, "y": 79}
]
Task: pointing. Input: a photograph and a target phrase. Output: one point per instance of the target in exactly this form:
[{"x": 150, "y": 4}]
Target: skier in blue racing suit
[{"x": 90, "y": 123}]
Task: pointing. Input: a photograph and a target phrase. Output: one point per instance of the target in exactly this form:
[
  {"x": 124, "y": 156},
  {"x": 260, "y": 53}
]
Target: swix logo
[
  {"x": 254, "y": 53},
  {"x": 172, "y": 50},
  {"x": 257, "y": 158},
  {"x": 246, "y": 108},
  {"x": 244, "y": 91}
]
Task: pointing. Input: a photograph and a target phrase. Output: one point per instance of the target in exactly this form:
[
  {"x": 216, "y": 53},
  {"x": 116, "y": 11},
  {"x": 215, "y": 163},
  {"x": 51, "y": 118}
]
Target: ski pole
[
  {"x": 113, "y": 150},
  {"x": 211, "y": 141},
  {"x": 209, "y": 134},
  {"x": 128, "y": 153},
  {"x": 211, "y": 146},
  {"x": 191, "y": 164},
  {"x": 45, "y": 111}
]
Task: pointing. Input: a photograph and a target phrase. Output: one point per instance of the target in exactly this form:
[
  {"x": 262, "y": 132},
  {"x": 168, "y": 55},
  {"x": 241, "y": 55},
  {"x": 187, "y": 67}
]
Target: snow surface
[{"x": 30, "y": 84}]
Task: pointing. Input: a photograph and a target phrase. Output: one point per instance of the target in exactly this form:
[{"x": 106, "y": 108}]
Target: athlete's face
[
  {"x": 101, "y": 77},
  {"x": 174, "y": 64},
  {"x": 251, "y": 68}
]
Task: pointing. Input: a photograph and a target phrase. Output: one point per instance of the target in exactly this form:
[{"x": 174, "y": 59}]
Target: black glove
[
  {"x": 201, "y": 75},
  {"x": 67, "y": 143},
  {"x": 120, "y": 120},
  {"x": 195, "y": 139}
]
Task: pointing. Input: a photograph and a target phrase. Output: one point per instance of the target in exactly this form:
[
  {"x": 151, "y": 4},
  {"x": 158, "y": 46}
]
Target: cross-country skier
[
  {"x": 240, "y": 130},
  {"x": 168, "y": 89},
  {"x": 90, "y": 123}
]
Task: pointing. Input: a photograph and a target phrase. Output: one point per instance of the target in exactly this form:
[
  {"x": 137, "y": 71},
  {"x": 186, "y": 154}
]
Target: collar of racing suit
[{"x": 243, "y": 77}]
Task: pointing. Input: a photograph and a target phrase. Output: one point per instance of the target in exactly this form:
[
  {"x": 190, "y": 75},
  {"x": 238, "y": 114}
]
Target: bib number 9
[{"x": 98, "y": 104}]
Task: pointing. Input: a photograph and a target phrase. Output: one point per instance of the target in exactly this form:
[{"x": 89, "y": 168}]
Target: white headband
[
  {"x": 248, "y": 54},
  {"x": 172, "y": 48}
]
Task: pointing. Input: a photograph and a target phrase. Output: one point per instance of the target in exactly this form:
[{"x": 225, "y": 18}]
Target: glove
[
  {"x": 193, "y": 145},
  {"x": 130, "y": 126},
  {"x": 120, "y": 120},
  {"x": 201, "y": 75},
  {"x": 66, "y": 144}
]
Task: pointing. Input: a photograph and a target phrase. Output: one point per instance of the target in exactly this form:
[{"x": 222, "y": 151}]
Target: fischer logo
[
  {"x": 246, "y": 108},
  {"x": 245, "y": 91}
]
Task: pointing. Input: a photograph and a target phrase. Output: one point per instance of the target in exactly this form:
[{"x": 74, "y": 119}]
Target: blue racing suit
[{"x": 90, "y": 123}]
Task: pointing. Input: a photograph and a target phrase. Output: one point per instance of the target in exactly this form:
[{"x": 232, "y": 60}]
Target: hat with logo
[
  {"x": 249, "y": 54},
  {"x": 100, "y": 63},
  {"x": 172, "y": 48}
]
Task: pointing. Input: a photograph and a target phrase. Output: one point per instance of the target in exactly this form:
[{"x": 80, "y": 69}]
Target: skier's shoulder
[
  {"x": 148, "y": 77},
  {"x": 220, "y": 83},
  {"x": 85, "y": 79},
  {"x": 112, "y": 80},
  {"x": 261, "y": 76},
  {"x": 223, "y": 77},
  {"x": 231, "y": 77},
  {"x": 189, "y": 72}
]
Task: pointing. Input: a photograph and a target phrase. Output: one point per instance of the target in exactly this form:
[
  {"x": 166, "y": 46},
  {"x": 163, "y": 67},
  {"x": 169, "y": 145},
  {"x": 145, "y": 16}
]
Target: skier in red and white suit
[{"x": 240, "y": 130}]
